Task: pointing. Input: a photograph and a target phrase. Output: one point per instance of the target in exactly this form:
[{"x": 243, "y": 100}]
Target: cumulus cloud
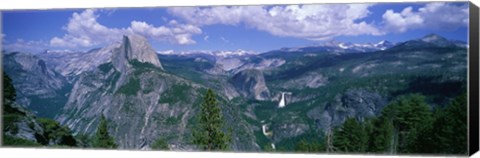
[
  {"x": 83, "y": 30},
  {"x": 173, "y": 32},
  {"x": 437, "y": 15},
  {"x": 314, "y": 22}
]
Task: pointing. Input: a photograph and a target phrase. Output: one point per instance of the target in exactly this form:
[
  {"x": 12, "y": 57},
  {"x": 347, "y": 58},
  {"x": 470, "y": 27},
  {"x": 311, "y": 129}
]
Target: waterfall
[
  {"x": 282, "y": 101},
  {"x": 264, "y": 130}
]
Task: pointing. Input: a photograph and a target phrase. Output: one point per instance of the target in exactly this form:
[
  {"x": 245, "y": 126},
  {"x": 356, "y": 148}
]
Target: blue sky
[{"x": 255, "y": 28}]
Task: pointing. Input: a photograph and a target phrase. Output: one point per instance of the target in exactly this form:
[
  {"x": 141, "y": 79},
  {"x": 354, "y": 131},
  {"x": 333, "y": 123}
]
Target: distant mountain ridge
[
  {"x": 71, "y": 64},
  {"x": 429, "y": 41},
  {"x": 336, "y": 46},
  {"x": 217, "y": 53}
]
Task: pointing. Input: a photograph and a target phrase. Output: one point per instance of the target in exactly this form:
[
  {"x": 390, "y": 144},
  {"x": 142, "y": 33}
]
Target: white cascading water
[{"x": 282, "y": 101}]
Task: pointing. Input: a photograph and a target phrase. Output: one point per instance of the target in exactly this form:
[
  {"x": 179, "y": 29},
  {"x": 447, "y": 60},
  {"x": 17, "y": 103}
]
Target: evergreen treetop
[
  {"x": 102, "y": 137},
  {"x": 210, "y": 135}
]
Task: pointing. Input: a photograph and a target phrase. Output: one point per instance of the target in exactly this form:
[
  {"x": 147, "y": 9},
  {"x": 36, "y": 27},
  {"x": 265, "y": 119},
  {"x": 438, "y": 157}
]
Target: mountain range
[{"x": 147, "y": 95}]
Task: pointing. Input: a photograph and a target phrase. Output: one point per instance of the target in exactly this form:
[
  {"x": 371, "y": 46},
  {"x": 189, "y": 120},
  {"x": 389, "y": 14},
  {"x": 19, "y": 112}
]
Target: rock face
[
  {"x": 251, "y": 83},
  {"x": 141, "y": 102},
  {"x": 38, "y": 87},
  {"x": 309, "y": 80},
  {"x": 288, "y": 130},
  {"x": 138, "y": 112},
  {"x": 137, "y": 47},
  {"x": 72, "y": 64},
  {"x": 359, "y": 104},
  {"x": 133, "y": 93}
]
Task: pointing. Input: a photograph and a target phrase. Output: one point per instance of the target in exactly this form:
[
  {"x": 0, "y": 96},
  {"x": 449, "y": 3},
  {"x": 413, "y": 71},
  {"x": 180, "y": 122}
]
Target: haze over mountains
[{"x": 147, "y": 95}]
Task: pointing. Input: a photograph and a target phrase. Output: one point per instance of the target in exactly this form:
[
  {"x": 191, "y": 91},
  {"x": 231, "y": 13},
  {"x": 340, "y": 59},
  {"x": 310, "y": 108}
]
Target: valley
[{"x": 270, "y": 101}]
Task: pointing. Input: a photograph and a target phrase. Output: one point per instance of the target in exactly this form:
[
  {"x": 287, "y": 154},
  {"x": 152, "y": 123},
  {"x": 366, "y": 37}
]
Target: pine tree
[
  {"x": 303, "y": 146},
  {"x": 350, "y": 137},
  {"x": 311, "y": 145},
  {"x": 102, "y": 137},
  {"x": 210, "y": 135},
  {"x": 381, "y": 135},
  {"x": 410, "y": 115},
  {"x": 450, "y": 128}
]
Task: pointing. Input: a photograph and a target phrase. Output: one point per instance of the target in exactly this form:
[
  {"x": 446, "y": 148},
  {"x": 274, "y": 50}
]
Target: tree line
[{"x": 406, "y": 125}]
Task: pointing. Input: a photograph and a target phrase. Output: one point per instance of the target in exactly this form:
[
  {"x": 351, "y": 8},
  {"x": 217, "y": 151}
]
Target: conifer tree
[
  {"x": 381, "y": 135},
  {"x": 305, "y": 145},
  {"x": 450, "y": 128},
  {"x": 410, "y": 115},
  {"x": 210, "y": 135},
  {"x": 102, "y": 138},
  {"x": 350, "y": 137}
]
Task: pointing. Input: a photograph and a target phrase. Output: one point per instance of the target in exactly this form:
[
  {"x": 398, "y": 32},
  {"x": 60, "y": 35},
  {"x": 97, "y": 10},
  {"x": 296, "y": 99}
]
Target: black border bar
[{"x": 473, "y": 135}]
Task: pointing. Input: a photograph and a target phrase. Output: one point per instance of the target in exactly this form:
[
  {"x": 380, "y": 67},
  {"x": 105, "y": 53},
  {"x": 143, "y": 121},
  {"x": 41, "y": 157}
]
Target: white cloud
[
  {"x": 83, "y": 30},
  {"x": 173, "y": 32},
  {"x": 438, "y": 15},
  {"x": 21, "y": 45},
  {"x": 314, "y": 22}
]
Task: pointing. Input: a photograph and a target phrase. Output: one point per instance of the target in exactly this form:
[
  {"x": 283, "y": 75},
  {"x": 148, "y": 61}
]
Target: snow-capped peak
[
  {"x": 382, "y": 45},
  {"x": 343, "y": 46},
  {"x": 166, "y": 52},
  {"x": 55, "y": 51},
  {"x": 382, "y": 42},
  {"x": 218, "y": 53},
  {"x": 337, "y": 46},
  {"x": 238, "y": 52}
]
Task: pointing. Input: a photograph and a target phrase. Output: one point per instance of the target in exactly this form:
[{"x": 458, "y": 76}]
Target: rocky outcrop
[
  {"x": 136, "y": 47},
  {"x": 18, "y": 122},
  {"x": 356, "y": 103},
  {"x": 251, "y": 84}
]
